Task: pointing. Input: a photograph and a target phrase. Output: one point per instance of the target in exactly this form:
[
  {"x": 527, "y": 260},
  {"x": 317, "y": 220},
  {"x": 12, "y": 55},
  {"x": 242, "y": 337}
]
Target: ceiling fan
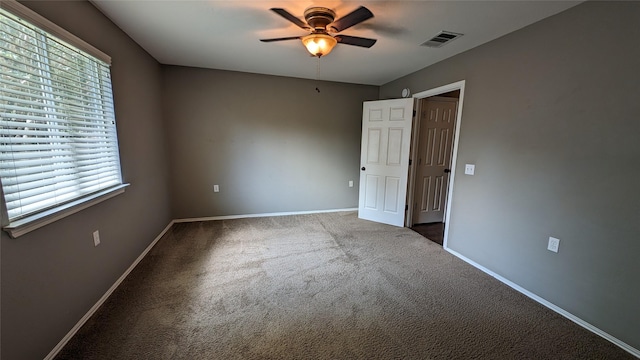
[{"x": 320, "y": 21}]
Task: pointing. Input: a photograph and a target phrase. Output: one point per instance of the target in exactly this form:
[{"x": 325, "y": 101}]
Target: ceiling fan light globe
[{"x": 319, "y": 44}]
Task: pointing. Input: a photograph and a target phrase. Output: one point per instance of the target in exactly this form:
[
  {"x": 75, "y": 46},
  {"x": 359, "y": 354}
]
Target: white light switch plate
[
  {"x": 216, "y": 188},
  {"x": 469, "y": 169},
  {"x": 554, "y": 244}
]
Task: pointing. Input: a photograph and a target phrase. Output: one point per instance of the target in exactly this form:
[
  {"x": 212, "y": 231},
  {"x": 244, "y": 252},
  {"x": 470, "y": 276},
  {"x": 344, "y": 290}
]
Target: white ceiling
[{"x": 225, "y": 34}]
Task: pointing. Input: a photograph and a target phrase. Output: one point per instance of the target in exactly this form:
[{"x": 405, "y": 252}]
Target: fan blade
[
  {"x": 355, "y": 40},
  {"x": 281, "y": 39},
  {"x": 287, "y": 15},
  {"x": 355, "y": 17}
]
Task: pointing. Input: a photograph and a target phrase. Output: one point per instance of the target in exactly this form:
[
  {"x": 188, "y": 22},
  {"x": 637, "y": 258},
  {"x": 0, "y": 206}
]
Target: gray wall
[
  {"x": 550, "y": 119},
  {"x": 52, "y": 276},
  {"x": 273, "y": 144}
]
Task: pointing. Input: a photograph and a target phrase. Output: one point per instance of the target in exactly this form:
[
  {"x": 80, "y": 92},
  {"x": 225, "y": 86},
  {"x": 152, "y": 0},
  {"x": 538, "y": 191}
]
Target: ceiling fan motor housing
[{"x": 319, "y": 17}]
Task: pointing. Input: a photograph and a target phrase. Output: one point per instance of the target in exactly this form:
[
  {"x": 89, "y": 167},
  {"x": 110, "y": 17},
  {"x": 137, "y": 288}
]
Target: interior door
[
  {"x": 433, "y": 166},
  {"x": 384, "y": 160}
]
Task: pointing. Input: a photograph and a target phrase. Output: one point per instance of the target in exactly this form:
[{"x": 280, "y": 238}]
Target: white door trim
[{"x": 459, "y": 85}]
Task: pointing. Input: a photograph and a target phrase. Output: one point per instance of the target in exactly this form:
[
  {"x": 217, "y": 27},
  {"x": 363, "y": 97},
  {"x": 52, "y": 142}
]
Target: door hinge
[
  {"x": 409, "y": 162},
  {"x": 414, "y": 113},
  {"x": 406, "y": 207}
]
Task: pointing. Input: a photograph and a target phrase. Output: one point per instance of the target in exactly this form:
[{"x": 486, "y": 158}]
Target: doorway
[
  {"x": 434, "y": 132},
  {"x": 434, "y": 149}
]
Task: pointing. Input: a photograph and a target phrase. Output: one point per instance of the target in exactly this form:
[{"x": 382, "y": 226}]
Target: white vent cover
[{"x": 442, "y": 38}]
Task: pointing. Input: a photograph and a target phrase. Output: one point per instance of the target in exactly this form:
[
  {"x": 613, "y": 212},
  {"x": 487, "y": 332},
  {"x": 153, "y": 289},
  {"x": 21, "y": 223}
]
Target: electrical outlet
[
  {"x": 350, "y": 183},
  {"x": 554, "y": 244},
  {"x": 469, "y": 169},
  {"x": 96, "y": 238},
  {"x": 216, "y": 188}
]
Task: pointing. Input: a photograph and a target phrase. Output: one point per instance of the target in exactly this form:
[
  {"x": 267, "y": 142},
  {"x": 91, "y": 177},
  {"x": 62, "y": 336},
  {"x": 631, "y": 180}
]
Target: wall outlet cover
[
  {"x": 469, "y": 169},
  {"x": 96, "y": 238},
  {"x": 553, "y": 245}
]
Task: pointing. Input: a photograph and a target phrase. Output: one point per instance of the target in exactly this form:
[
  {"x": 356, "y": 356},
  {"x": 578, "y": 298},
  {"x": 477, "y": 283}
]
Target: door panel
[
  {"x": 391, "y": 198},
  {"x": 426, "y": 190},
  {"x": 373, "y": 148},
  {"x": 435, "y": 143},
  {"x": 386, "y": 133},
  {"x": 371, "y": 192},
  {"x": 394, "y": 149}
]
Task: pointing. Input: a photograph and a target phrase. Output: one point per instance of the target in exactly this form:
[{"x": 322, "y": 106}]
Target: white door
[
  {"x": 435, "y": 141},
  {"x": 384, "y": 160}
]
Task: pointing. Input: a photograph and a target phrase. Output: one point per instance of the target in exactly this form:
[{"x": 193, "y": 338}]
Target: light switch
[{"x": 469, "y": 169}]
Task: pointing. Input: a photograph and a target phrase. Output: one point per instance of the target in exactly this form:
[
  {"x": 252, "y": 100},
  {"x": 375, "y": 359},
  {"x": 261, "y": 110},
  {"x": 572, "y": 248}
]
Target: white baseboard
[
  {"x": 230, "y": 217},
  {"x": 104, "y": 297},
  {"x": 633, "y": 351}
]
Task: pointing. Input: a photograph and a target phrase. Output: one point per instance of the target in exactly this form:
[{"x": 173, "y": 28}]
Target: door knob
[
  {"x": 446, "y": 171},
  {"x": 363, "y": 168}
]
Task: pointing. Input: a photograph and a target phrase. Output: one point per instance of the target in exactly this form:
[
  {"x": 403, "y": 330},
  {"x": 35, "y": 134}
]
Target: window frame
[{"x": 23, "y": 225}]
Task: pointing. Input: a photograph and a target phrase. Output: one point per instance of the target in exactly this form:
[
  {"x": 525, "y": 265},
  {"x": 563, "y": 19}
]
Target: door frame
[{"x": 459, "y": 85}]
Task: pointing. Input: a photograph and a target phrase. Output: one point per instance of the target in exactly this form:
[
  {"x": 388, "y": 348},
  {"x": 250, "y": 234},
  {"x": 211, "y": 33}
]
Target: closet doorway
[{"x": 435, "y": 135}]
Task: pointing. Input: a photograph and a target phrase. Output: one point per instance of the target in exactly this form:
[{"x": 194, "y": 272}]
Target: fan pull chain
[{"x": 318, "y": 74}]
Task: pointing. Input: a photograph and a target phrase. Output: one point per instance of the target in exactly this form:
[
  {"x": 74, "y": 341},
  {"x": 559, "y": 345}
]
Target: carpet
[{"x": 319, "y": 286}]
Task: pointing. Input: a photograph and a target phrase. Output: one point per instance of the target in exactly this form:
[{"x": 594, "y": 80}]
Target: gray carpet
[{"x": 322, "y": 286}]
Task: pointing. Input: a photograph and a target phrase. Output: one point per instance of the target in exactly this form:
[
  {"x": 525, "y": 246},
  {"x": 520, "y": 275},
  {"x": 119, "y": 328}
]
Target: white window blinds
[{"x": 58, "y": 138}]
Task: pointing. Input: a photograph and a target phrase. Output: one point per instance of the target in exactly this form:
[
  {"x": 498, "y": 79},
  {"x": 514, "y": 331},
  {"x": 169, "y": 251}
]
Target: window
[{"x": 58, "y": 142}]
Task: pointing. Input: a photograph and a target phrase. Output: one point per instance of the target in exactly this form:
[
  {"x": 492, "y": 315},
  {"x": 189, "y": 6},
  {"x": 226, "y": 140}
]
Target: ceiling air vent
[{"x": 442, "y": 38}]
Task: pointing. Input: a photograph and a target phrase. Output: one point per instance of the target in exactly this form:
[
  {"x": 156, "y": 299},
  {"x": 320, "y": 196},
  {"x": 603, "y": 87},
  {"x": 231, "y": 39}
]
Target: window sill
[{"x": 25, "y": 225}]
